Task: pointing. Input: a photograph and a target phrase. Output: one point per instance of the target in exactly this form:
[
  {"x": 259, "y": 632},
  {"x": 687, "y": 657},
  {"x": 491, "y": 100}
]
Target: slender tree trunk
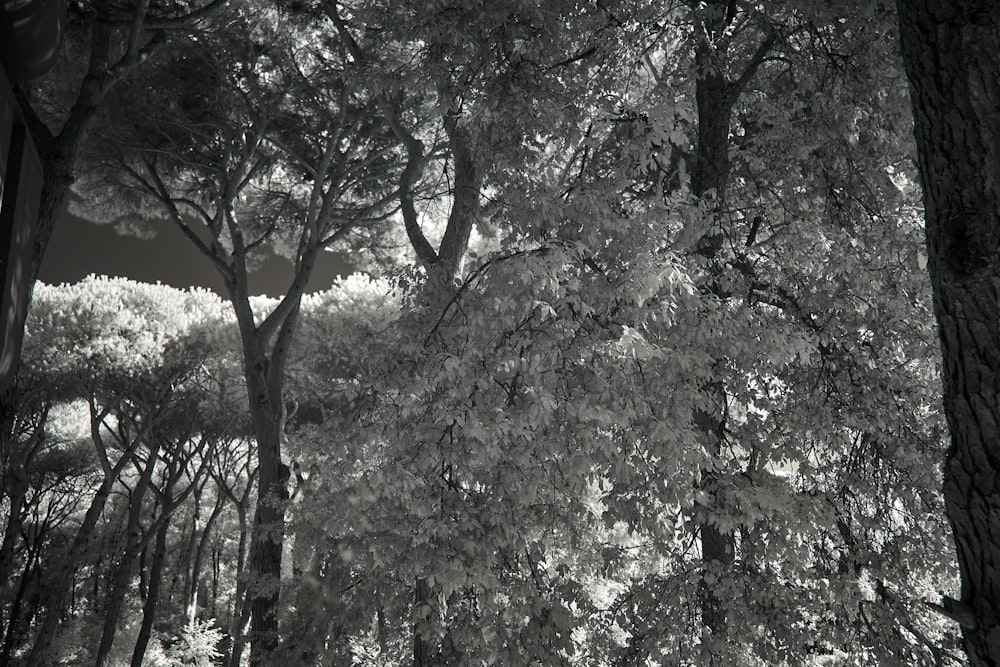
[
  {"x": 15, "y": 608},
  {"x": 122, "y": 575},
  {"x": 240, "y": 607},
  {"x": 17, "y": 490},
  {"x": 216, "y": 572},
  {"x": 153, "y": 595},
  {"x": 16, "y": 455},
  {"x": 59, "y": 582},
  {"x": 199, "y": 556},
  {"x": 951, "y": 49},
  {"x": 242, "y": 614},
  {"x": 185, "y": 556},
  {"x": 143, "y": 572}
]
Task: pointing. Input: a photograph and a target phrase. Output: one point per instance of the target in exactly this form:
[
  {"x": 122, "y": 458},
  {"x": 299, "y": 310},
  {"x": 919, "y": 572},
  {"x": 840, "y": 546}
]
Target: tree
[
  {"x": 658, "y": 389},
  {"x": 626, "y": 266},
  {"x": 271, "y": 145},
  {"x": 103, "y": 45},
  {"x": 952, "y": 54},
  {"x": 131, "y": 353}
]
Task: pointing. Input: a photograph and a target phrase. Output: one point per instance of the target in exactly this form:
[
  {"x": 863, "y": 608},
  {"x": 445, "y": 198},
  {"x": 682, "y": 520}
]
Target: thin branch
[
  {"x": 735, "y": 88},
  {"x": 583, "y": 55},
  {"x": 188, "y": 19},
  {"x": 175, "y": 215}
]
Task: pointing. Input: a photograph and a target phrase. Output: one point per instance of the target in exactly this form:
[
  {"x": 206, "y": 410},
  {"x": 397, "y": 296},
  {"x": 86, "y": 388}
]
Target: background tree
[
  {"x": 103, "y": 45},
  {"x": 126, "y": 359},
  {"x": 271, "y": 145}
]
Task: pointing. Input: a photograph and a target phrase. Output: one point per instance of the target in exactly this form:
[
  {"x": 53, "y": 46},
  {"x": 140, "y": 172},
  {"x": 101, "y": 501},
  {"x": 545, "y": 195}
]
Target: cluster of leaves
[{"x": 537, "y": 477}]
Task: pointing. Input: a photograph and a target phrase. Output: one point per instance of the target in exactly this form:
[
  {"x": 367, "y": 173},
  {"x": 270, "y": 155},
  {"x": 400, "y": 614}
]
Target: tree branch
[
  {"x": 186, "y": 20},
  {"x": 414, "y": 149},
  {"x": 465, "y": 202},
  {"x": 736, "y": 87},
  {"x": 164, "y": 196}
]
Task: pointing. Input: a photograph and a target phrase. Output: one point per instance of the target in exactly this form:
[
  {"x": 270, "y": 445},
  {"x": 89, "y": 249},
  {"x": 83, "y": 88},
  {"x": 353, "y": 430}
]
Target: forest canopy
[{"x": 639, "y": 365}]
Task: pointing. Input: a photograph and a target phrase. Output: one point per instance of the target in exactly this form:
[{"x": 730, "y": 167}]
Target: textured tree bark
[
  {"x": 951, "y": 50},
  {"x": 422, "y": 650},
  {"x": 268, "y": 533},
  {"x": 265, "y": 555}
]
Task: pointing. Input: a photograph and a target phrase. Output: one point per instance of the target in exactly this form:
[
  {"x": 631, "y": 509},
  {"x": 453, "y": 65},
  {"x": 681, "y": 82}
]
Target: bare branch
[{"x": 171, "y": 205}]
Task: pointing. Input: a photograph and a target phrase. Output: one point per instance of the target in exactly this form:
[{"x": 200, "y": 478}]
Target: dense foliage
[{"x": 646, "y": 372}]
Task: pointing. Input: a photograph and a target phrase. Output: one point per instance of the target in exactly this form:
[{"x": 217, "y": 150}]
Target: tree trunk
[
  {"x": 191, "y": 603},
  {"x": 185, "y": 556},
  {"x": 242, "y": 613},
  {"x": 240, "y": 608},
  {"x": 153, "y": 594},
  {"x": 269, "y": 519},
  {"x": 265, "y": 555},
  {"x": 17, "y": 490},
  {"x": 16, "y": 455},
  {"x": 122, "y": 575},
  {"x": 709, "y": 177},
  {"x": 422, "y": 651},
  {"x": 951, "y": 49},
  {"x": 11, "y": 632},
  {"x": 59, "y": 582}
]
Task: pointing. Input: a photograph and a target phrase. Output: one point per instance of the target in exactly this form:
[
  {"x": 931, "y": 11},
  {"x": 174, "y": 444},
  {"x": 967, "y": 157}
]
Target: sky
[{"x": 79, "y": 247}]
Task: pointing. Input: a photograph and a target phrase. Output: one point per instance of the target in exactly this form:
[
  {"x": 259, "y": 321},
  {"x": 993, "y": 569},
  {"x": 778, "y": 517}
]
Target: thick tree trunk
[
  {"x": 709, "y": 176},
  {"x": 951, "y": 49},
  {"x": 422, "y": 650},
  {"x": 265, "y": 556}
]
